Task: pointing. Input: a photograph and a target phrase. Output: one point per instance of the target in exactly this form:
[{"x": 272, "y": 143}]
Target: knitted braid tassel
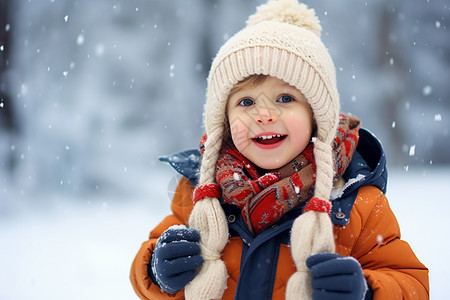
[
  {"x": 312, "y": 232},
  {"x": 209, "y": 219}
]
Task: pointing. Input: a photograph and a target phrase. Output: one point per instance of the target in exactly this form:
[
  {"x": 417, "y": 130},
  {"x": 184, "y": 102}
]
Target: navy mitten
[
  {"x": 336, "y": 277},
  {"x": 175, "y": 258}
]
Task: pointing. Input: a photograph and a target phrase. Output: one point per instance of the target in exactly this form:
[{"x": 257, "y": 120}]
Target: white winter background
[{"x": 97, "y": 90}]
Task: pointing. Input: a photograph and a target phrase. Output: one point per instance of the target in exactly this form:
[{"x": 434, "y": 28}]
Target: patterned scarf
[{"x": 263, "y": 200}]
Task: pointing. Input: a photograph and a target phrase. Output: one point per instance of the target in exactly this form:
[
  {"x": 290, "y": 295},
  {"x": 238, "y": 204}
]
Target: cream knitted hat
[{"x": 282, "y": 39}]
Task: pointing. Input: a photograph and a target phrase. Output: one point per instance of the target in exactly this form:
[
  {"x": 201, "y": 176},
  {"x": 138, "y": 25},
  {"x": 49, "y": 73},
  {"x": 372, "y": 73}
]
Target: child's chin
[{"x": 271, "y": 164}]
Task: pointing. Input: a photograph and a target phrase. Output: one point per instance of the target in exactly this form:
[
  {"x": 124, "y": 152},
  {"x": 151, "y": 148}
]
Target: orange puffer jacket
[
  {"x": 372, "y": 237},
  {"x": 364, "y": 228}
]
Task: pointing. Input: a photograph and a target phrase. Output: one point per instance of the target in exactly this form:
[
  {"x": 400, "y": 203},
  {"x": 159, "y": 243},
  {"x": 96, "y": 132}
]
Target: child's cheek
[
  {"x": 299, "y": 125},
  {"x": 239, "y": 132}
]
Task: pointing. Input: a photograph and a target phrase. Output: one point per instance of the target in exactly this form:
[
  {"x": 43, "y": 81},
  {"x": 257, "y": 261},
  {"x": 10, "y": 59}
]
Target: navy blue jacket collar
[
  {"x": 186, "y": 163},
  {"x": 368, "y": 167}
]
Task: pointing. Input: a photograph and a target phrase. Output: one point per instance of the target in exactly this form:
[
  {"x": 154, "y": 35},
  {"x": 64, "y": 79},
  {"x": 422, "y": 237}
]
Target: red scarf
[{"x": 263, "y": 200}]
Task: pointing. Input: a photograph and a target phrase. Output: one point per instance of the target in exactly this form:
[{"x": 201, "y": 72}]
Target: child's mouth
[{"x": 269, "y": 139}]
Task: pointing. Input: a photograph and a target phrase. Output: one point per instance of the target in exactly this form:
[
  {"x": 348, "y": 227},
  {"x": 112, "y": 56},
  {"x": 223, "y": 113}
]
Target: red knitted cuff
[
  {"x": 317, "y": 204},
  {"x": 206, "y": 190}
]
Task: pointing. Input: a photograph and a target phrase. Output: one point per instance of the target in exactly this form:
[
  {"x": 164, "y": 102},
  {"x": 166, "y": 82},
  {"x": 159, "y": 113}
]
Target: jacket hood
[{"x": 368, "y": 167}]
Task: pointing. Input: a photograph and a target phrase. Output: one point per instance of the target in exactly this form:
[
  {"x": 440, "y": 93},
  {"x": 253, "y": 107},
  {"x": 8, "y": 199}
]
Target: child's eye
[
  {"x": 285, "y": 99},
  {"x": 246, "y": 102}
]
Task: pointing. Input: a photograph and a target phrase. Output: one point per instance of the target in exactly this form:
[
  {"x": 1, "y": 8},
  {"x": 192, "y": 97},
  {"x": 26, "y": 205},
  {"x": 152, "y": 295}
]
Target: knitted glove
[
  {"x": 175, "y": 258},
  {"x": 336, "y": 277}
]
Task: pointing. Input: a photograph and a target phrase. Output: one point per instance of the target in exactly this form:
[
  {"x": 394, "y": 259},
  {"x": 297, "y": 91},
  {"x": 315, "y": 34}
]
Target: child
[{"x": 289, "y": 196}]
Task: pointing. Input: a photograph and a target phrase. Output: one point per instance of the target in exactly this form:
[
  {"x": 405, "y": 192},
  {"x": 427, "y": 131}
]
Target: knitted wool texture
[
  {"x": 281, "y": 40},
  {"x": 264, "y": 200}
]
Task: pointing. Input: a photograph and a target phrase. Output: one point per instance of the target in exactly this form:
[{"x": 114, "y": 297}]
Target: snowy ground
[{"x": 83, "y": 250}]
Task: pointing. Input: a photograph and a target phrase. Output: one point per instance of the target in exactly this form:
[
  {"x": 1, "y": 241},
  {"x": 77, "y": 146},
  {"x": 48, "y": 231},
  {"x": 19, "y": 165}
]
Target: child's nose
[
  {"x": 264, "y": 119},
  {"x": 265, "y": 116}
]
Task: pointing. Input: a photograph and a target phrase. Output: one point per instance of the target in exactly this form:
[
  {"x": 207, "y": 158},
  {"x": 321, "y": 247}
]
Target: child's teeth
[{"x": 265, "y": 137}]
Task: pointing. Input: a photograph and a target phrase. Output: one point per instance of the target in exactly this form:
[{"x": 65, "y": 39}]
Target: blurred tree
[
  {"x": 7, "y": 121},
  {"x": 394, "y": 92},
  {"x": 417, "y": 56},
  {"x": 413, "y": 60},
  {"x": 6, "y": 115}
]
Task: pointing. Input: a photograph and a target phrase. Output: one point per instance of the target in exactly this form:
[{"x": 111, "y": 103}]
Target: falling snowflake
[
  {"x": 437, "y": 117},
  {"x": 427, "y": 90},
  {"x": 412, "y": 150},
  {"x": 379, "y": 239},
  {"x": 80, "y": 39},
  {"x": 172, "y": 74},
  {"x": 99, "y": 50}
]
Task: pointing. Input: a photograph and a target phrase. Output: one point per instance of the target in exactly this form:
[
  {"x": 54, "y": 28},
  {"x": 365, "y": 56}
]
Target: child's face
[{"x": 270, "y": 123}]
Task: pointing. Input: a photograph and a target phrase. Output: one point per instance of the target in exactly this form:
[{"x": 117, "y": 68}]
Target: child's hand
[
  {"x": 175, "y": 258},
  {"x": 336, "y": 277}
]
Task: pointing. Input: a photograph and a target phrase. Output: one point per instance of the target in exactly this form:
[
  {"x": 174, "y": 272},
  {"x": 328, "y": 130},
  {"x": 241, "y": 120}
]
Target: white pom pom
[{"x": 287, "y": 11}]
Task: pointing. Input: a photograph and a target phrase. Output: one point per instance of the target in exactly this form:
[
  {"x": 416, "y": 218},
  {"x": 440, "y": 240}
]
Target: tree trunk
[{"x": 7, "y": 120}]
